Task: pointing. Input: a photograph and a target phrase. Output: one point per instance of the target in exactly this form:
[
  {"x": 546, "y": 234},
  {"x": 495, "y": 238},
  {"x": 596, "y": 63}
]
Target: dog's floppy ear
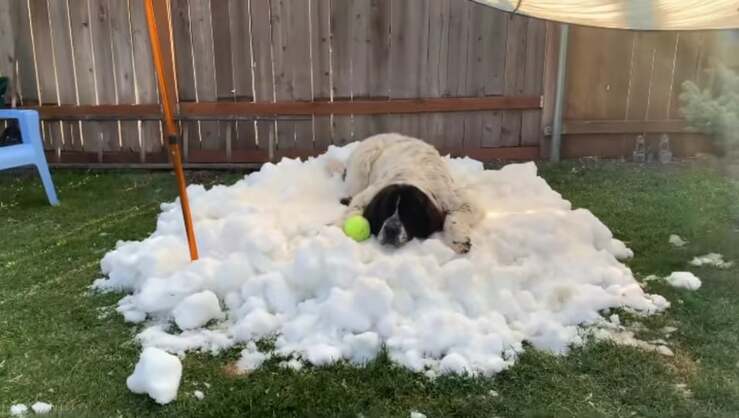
[
  {"x": 419, "y": 214},
  {"x": 381, "y": 207}
]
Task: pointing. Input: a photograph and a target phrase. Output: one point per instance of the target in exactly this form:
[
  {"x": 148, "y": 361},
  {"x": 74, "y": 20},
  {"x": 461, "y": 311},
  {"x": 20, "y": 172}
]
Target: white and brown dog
[{"x": 404, "y": 188}]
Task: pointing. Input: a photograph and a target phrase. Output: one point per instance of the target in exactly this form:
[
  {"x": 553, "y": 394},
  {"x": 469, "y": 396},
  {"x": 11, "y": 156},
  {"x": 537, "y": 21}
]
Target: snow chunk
[
  {"x": 416, "y": 414},
  {"x": 711, "y": 259},
  {"x": 18, "y": 410},
  {"x": 251, "y": 358},
  {"x": 683, "y": 279},
  {"x": 676, "y": 240},
  {"x": 199, "y": 395},
  {"x": 157, "y": 374},
  {"x": 196, "y": 310},
  {"x": 41, "y": 408}
]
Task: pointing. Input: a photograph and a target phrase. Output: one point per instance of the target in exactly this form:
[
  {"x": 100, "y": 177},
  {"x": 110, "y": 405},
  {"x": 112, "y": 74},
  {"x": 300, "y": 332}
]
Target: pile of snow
[
  {"x": 157, "y": 374},
  {"x": 712, "y": 259},
  {"x": 677, "y": 241},
  {"x": 537, "y": 272},
  {"x": 684, "y": 280}
]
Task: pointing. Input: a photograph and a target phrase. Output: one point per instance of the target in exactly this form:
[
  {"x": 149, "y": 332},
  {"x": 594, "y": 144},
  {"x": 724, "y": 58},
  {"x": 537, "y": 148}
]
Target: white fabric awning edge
[{"x": 630, "y": 14}]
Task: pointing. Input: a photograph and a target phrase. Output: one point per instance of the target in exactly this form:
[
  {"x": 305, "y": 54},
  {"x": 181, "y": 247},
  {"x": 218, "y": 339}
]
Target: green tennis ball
[{"x": 357, "y": 228}]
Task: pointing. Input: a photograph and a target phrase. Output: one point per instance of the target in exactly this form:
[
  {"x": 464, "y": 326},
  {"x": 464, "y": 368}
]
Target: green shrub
[{"x": 714, "y": 111}]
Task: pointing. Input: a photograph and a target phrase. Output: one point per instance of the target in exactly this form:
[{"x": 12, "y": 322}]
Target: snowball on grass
[
  {"x": 537, "y": 273},
  {"x": 157, "y": 374},
  {"x": 416, "y": 414},
  {"x": 18, "y": 410},
  {"x": 712, "y": 259},
  {"x": 683, "y": 279},
  {"x": 677, "y": 241},
  {"x": 199, "y": 395},
  {"x": 251, "y": 358},
  {"x": 197, "y": 309},
  {"x": 41, "y": 408}
]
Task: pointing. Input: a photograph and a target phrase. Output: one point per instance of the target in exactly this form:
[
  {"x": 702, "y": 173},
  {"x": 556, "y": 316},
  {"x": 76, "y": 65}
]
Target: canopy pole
[
  {"x": 170, "y": 126},
  {"x": 560, "y": 94}
]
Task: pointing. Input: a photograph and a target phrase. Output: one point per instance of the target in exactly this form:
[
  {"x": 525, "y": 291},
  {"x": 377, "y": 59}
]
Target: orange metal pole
[{"x": 170, "y": 126}]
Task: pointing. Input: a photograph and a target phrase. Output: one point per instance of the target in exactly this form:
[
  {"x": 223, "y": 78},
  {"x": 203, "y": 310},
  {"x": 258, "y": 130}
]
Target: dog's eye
[{"x": 343, "y": 175}]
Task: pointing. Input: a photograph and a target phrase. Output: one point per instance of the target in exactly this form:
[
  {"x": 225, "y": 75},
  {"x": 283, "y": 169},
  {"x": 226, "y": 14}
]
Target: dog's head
[{"x": 400, "y": 212}]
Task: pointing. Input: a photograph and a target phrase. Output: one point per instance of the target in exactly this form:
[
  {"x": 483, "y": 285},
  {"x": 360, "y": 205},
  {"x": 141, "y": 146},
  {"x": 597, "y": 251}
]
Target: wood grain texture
[
  {"x": 201, "y": 32},
  {"x": 26, "y": 74},
  {"x": 145, "y": 79},
  {"x": 320, "y": 47},
  {"x": 341, "y": 67},
  {"x": 264, "y": 82},
  {"x": 240, "y": 43},
  {"x": 533, "y": 80},
  {"x": 122, "y": 46},
  {"x": 7, "y": 47},
  {"x": 65, "y": 69}
]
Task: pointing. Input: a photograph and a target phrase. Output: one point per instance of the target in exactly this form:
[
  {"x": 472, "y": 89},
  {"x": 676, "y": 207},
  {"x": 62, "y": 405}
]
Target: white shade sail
[{"x": 630, "y": 14}]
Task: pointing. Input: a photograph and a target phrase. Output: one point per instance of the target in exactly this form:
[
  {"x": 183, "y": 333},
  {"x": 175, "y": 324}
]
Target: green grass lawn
[{"x": 61, "y": 345}]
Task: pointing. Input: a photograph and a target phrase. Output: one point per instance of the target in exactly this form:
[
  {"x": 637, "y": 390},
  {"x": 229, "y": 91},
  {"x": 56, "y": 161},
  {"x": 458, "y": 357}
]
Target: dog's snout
[{"x": 393, "y": 232}]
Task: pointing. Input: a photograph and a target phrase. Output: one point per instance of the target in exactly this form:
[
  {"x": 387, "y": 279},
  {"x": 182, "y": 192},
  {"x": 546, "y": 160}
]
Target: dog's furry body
[{"x": 381, "y": 163}]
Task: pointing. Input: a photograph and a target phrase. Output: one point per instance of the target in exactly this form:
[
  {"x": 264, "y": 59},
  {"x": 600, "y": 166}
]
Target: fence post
[
  {"x": 560, "y": 95},
  {"x": 549, "y": 84}
]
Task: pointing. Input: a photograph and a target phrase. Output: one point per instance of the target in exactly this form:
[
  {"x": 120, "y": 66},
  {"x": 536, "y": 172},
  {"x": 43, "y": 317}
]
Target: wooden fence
[
  {"x": 261, "y": 79},
  {"x": 232, "y": 56},
  {"x": 624, "y": 83}
]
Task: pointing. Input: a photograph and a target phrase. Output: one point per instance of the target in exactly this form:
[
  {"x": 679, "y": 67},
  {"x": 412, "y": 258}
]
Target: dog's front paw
[{"x": 462, "y": 246}]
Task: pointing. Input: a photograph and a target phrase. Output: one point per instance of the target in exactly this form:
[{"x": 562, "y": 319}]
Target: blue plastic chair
[{"x": 30, "y": 151}]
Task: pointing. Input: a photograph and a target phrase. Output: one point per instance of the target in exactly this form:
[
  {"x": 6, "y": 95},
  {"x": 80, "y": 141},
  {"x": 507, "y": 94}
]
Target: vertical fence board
[
  {"x": 298, "y": 49},
  {"x": 7, "y": 41},
  {"x": 456, "y": 59},
  {"x": 264, "y": 82},
  {"x": 26, "y": 75},
  {"x": 240, "y": 43},
  {"x": 185, "y": 70},
  {"x": 201, "y": 31},
  {"x": 515, "y": 60},
  {"x": 105, "y": 83},
  {"x": 320, "y": 15},
  {"x": 533, "y": 80},
  {"x": 82, "y": 41},
  {"x": 488, "y": 72},
  {"x": 409, "y": 46},
  {"x": 225, "y": 89},
  {"x": 145, "y": 78},
  {"x": 124, "y": 74},
  {"x": 359, "y": 21},
  {"x": 39, "y": 13},
  {"x": 65, "y": 69},
  {"x": 291, "y": 56},
  {"x": 371, "y": 66},
  {"x": 432, "y": 125},
  {"x": 341, "y": 65}
]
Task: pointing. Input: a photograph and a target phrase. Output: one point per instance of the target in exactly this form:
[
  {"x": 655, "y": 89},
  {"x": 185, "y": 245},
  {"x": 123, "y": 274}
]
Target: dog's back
[{"x": 398, "y": 159}]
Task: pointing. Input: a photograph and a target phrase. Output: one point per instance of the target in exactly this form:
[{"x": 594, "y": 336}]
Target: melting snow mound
[{"x": 538, "y": 271}]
